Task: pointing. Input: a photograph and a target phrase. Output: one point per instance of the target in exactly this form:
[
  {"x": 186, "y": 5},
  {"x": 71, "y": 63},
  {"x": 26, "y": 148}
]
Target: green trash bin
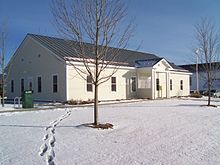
[{"x": 27, "y": 99}]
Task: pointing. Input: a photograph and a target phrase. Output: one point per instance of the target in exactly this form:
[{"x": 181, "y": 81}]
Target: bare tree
[
  {"x": 2, "y": 62},
  {"x": 100, "y": 23},
  {"x": 208, "y": 41}
]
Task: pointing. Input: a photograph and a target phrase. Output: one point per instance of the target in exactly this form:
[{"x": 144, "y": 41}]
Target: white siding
[
  {"x": 31, "y": 60},
  {"x": 176, "y": 78},
  {"x": 77, "y": 86}
]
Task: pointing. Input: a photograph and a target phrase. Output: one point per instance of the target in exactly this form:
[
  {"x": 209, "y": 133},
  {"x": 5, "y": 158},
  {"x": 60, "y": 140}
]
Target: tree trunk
[
  {"x": 96, "y": 105},
  {"x": 3, "y": 68},
  {"x": 3, "y": 91},
  {"x": 209, "y": 89}
]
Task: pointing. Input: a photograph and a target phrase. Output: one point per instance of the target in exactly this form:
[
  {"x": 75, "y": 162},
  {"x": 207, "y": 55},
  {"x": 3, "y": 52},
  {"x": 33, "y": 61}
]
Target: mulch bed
[{"x": 101, "y": 126}]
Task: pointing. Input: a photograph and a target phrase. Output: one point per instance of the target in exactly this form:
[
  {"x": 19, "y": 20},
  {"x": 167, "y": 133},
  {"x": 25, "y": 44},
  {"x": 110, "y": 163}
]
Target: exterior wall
[
  {"x": 77, "y": 86},
  {"x": 30, "y": 61},
  {"x": 176, "y": 78}
]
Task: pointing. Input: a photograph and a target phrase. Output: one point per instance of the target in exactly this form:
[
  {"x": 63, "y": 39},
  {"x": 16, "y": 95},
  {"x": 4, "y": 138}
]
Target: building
[
  {"x": 202, "y": 77},
  {"x": 40, "y": 64}
]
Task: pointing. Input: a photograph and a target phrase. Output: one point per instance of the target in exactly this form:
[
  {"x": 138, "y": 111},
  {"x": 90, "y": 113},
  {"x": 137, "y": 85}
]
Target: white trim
[
  {"x": 91, "y": 65},
  {"x": 162, "y": 60},
  {"x": 183, "y": 73}
]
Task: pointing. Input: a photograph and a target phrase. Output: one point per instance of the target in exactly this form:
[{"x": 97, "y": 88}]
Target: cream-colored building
[{"x": 39, "y": 64}]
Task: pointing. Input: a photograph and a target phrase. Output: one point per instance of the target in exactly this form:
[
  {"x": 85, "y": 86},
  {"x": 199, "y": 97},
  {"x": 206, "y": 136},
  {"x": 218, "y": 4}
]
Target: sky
[{"x": 163, "y": 27}]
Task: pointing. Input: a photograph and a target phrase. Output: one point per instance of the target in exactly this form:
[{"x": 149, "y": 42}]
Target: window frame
[
  {"x": 89, "y": 84},
  {"x": 113, "y": 84},
  {"x": 55, "y": 86},
  {"x": 171, "y": 84},
  {"x": 157, "y": 84},
  {"x": 181, "y": 84},
  {"x": 39, "y": 88},
  {"x": 12, "y": 86},
  {"x": 22, "y": 85}
]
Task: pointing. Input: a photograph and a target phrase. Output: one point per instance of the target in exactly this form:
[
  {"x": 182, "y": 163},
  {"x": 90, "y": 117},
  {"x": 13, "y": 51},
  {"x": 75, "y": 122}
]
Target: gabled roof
[
  {"x": 154, "y": 61},
  {"x": 62, "y": 49},
  {"x": 147, "y": 62}
]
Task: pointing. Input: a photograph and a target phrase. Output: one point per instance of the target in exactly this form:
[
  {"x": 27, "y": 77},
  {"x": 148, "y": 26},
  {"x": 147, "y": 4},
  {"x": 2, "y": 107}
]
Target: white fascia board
[
  {"x": 163, "y": 60},
  {"x": 76, "y": 63},
  {"x": 178, "y": 72},
  {"x": 145, "y": 68}
]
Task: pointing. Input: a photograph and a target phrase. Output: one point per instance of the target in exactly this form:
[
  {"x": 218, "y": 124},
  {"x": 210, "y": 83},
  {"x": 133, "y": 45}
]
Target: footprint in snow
[
  {"x": 51, "y": 153},
  {"x": 52, "y": 141},
  {"x": 49, "y": 159},
  {"x": 43, "y": 149},
  {"x": 54, "y": 125},
  {"x": 51, "y": 163},
  {"x": 52, "y": 130},
  {"x": 46, "y": 128},
  {"x": 45, "y": 137},
  {"x": 50, "y": 156},
  {"x": 53, "y": 122}
]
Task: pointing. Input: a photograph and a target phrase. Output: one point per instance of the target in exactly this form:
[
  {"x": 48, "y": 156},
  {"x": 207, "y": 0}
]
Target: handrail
[{"x": 19, "y": 102}]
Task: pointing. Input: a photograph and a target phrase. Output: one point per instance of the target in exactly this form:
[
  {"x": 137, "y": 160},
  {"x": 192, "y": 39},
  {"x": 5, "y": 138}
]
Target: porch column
[
  {"x": 168, "y": 84},
  {"x": 153, "y": 84}
]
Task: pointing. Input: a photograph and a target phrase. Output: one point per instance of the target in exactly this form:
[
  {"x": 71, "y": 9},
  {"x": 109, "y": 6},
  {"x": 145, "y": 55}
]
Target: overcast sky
[{"x": 163, "y": 27}]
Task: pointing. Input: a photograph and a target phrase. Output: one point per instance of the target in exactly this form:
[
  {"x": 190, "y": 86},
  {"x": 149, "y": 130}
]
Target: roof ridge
[{"x": 58, "y": 38}]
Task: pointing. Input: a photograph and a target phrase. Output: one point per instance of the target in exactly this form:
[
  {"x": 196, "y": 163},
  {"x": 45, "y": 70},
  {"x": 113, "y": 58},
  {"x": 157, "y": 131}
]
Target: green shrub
[
  {"x": 77, "y": 102},
  {"x": 196, "y": 95}
]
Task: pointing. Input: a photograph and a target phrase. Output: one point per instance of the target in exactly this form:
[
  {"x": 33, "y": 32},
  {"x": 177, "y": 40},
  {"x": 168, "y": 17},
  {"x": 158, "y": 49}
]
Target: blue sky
[{"x": 163, "y": 27}]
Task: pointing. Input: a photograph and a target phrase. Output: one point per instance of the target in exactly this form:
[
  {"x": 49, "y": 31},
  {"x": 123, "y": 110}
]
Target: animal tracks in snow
[{"x": 49, "y": 140}]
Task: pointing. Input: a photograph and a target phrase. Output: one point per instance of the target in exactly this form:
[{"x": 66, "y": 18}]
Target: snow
[{"x": 172, "y": 131}]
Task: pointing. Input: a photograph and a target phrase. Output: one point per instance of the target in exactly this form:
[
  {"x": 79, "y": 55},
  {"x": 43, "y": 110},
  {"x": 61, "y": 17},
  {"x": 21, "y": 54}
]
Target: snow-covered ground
[{"x": 173, "y": 131}]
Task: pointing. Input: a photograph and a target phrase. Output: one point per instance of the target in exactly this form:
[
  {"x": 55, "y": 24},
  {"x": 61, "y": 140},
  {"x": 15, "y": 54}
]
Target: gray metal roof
[
  {"x": 63, "y": 48},
  {"x": 152, "y": 62},
  {"x": 147, "y": 63}
]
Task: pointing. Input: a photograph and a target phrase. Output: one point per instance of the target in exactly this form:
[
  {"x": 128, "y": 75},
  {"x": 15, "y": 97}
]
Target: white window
[
  {"x": 144, "y": 82},
  {"x": 113, "y": 84},
  {"x": 171, "y": 84},
  {"x": 181, "y": 84},
  {"x": 89, "y": 84}
]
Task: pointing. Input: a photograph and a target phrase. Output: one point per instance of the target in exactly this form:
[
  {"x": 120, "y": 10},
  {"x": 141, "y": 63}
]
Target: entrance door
[{"x": 161, "y": 85}]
